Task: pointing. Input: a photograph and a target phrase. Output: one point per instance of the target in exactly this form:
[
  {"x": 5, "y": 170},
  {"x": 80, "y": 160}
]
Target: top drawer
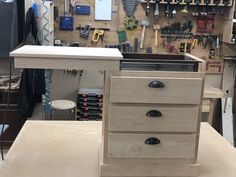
[{"x": 125, "y": 89}]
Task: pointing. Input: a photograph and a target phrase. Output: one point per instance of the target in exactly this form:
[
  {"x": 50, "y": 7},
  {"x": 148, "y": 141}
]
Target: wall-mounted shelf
[{"x": 193, "y": 3}]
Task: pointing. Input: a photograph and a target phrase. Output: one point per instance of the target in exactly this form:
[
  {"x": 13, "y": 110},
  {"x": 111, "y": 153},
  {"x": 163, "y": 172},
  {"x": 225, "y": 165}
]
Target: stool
[{"x": 64, "y": 105}]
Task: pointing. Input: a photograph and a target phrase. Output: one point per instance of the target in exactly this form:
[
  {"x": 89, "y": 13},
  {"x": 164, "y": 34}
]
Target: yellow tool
[
  {"x": 97, "y": 34},
  {"x": 194, "y": 43}
]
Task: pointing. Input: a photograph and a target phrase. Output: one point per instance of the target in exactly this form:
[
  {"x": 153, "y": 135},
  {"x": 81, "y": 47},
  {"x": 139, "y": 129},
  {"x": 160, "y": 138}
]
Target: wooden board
[
  {"x": 134, "y": 118},
  {"x": 67, "y": 52},
  {"x": 51, "y": 57},
  {"x": 172, "y": 146},
  {"x": 136, "y": 90}
]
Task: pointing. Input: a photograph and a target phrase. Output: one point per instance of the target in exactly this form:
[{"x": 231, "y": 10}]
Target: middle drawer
[{"x": 153, "y": 118}]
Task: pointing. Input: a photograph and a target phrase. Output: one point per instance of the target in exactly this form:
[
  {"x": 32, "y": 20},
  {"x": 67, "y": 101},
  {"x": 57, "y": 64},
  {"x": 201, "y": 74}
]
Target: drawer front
[
  {"x": 134, "y": 146},
  {"x": 155, "y": 119},
  {"x": 126, "y": 89}
]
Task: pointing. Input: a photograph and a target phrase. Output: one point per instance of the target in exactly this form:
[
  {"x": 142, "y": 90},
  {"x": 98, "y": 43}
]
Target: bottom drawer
[{"x": 167, "y": 146}]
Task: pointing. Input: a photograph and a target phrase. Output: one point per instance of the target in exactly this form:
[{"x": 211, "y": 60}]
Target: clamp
[
  {"x": 84, "y": 32},
  {"x": 97, "y": 34},
  {"x": 130, "y": 23},
  {"x": 194, "y": 43}
]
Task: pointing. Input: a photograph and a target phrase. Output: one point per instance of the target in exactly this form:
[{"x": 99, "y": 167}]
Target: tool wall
[{"x": 169, "y": 26}]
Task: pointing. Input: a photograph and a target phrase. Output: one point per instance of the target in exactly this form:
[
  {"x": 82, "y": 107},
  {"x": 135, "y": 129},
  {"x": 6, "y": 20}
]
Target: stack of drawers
[
  {"x": 89, "y": 104},
  {"x": 152, "y": 122}
]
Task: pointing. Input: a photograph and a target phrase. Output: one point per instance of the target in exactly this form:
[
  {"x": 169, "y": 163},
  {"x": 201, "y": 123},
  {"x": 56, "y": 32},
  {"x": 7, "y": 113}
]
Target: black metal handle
[
  {"x": 156, "y": 84},
  {"x": 153, "y": 113},
  {"x": 152, "y": 141}
]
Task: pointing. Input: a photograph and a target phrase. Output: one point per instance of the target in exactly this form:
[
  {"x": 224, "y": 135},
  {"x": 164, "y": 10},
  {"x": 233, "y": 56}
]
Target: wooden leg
[{"x": 211, "y": 111}]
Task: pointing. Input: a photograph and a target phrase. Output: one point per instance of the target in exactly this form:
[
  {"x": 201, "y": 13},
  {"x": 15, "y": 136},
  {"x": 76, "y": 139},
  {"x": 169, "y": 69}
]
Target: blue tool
[
  {"x": 83, "y": 10},
  {"x": 66, "y": 23}
]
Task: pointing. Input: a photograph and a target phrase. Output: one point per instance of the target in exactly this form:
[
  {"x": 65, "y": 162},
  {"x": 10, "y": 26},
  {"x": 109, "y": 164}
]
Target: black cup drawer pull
[
  {"x": 152, "y": 141},
  {"x": 153, "y": 113},
  {"x": 156, "y": 84}
]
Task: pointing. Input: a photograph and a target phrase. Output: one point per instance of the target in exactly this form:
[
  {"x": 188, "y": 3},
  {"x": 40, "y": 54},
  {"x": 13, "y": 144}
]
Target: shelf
[{"x": 182, "y": 2}]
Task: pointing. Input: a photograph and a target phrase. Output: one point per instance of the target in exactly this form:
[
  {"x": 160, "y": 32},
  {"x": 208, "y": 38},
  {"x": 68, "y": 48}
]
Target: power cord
[
  {"x": 10, "y": 73},
  {"x": 7, "y": 109}
]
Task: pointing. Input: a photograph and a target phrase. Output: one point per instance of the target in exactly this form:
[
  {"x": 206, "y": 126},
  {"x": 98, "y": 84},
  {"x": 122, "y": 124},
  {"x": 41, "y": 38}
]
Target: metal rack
[{"x": 193, "y": 3}]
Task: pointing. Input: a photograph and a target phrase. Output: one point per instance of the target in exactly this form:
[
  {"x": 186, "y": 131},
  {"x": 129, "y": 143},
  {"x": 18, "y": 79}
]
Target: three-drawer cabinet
[{"x": 151, "y": 123}]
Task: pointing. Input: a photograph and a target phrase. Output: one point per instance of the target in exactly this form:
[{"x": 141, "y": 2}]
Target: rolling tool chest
[{"x": 152, "y": 117}]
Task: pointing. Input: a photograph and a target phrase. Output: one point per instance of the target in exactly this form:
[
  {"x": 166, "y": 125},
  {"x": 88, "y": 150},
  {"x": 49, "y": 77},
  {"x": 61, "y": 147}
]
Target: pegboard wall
[{"x": 117, "y": 24}]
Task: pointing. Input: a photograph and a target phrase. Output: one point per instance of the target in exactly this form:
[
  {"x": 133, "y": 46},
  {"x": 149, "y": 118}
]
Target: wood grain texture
[
  {"x": 67, "y": 63},
  {"x": 149, "y": 170},
  {"x": 136, "y": 90},
  {"x": 67, "y": 52},
  {"x": 134, "y": 119},
  {"x": 70, "y": 148},
  {"x": 133, "y": 146}
]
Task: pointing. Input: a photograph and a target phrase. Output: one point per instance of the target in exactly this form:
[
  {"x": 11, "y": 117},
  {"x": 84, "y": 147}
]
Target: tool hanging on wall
[
  {"x": 72, "y": 8},
  {"x": 130, "y": 23},
  {"x": 156, "y": 9},
  {"x": 195, "y": 12},
  {"x": 66, "y": 22},
  {"x": 144, "y": 24},
  {"x": 148, "y": 8},
  {"x": 178, "y": 29},
  {"x": 83, "y": 10},
  {"x": 205, "y": 24},
  {"x": 122, "y": 37},
  {"x": 207, "y": 2},
  {"x": 185, "y": 47},
  {"x": 223, "y": 9},
  {"x": 84, "y": 32},
  {"x": 156, "y": 28},
  {"x": 135, "y": 45},
  {"x": 185, "y": 10},
  {"x": 167, "y": 12},
  {"x": 129, "y": 7},
  {"x": 97, "y": 34},
  {"x": 173, "y": 11},
  {"x": 216, "y": 2}
]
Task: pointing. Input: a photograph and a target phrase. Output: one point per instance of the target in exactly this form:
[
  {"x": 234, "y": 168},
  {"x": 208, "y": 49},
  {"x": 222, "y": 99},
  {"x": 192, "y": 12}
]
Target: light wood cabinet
[
  {"x": 151, "y": 119},
  {"x": 150, "y": 124}
]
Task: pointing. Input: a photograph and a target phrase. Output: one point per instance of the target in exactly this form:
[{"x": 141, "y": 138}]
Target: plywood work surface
[{"x": 69, "y": 148}]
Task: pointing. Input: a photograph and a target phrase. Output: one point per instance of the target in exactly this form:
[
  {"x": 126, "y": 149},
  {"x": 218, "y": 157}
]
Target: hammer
[
  {"x": 156, "y": 28},
  {"x": 144, "y": 24}
]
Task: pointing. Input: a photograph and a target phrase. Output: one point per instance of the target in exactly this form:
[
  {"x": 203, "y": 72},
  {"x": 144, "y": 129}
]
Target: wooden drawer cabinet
[
  {"x": 151, "y": 118},
  {"x": 160, "y": 146},
  {"x": 125, "y": 89},
  {"x": 155, "y": 118}
]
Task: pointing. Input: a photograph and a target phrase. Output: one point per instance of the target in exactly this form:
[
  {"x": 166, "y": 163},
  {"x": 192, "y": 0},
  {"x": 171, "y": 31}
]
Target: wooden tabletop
[
  {"x": 213, "y": 92},
  {"x": 70, "y": 149},
  {"x": 73, "y": 58}
]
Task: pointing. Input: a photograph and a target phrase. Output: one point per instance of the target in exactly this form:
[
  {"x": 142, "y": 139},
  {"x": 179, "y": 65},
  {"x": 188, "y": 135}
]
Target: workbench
[
  {"x": 69, "y": 148},
  {"x": 210, "y": 97}
]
